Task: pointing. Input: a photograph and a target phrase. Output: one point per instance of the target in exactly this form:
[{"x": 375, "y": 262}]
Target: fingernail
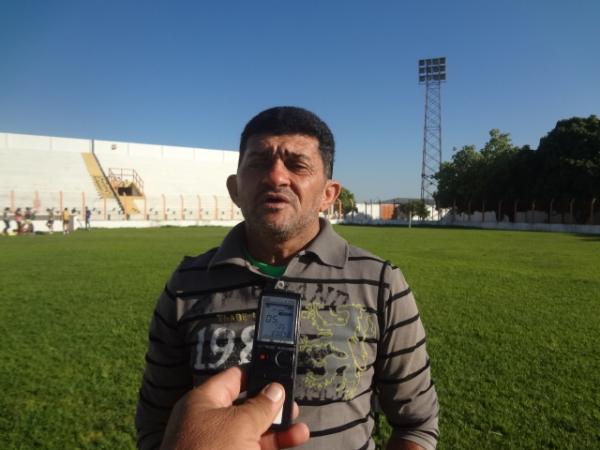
[{"x": 274, "y": 392}]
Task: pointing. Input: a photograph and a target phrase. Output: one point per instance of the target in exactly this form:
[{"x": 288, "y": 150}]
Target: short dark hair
[{"x": 282, "y": 120}]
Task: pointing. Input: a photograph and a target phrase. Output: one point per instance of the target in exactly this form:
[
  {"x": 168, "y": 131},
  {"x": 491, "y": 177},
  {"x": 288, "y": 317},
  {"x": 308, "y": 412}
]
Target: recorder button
[{"x": 283, "y": 359}]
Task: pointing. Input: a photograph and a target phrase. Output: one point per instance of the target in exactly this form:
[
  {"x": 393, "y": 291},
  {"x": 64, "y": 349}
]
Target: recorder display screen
[{"x": 277, "y": 320}]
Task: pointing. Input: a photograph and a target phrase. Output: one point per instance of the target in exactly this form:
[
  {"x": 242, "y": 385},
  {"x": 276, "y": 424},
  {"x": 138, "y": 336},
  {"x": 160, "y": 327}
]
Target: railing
[
  {"x": 565, "y": 211},
  {"x": 162, "y": 207},
  {"x": 121, "y": 177}
]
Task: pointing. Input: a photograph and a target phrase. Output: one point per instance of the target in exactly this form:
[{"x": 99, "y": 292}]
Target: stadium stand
[
  {"x": 47, "y": 172},
  {"x": 172, "y": 183},
  {"x": 116, "y": 180}
]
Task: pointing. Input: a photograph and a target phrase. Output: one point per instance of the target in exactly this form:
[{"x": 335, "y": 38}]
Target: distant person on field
[
  {"x": 66, "y": 220},
  {"x": 74, "y": 216},
  {"x": 361, "y": 335},
  {"x": 88, "y": 216},
  {"x": 6, "y": 220},
  {"x": 50, "y": 220},
  {"x": 28, "y": 217},
  {"x": 19, "y": 220}
]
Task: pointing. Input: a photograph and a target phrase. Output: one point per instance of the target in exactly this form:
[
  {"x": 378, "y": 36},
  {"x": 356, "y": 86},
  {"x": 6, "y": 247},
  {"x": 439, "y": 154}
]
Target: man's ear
[
  {"x": 232, "y": 188},
  {"x": 331, "y": 193}
]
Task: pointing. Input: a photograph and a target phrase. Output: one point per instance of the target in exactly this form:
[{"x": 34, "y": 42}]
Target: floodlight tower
[{"x": 432, "y": 72}]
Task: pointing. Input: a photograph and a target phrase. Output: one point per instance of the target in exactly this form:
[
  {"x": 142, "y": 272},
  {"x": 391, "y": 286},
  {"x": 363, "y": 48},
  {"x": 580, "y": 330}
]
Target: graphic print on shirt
[
  {"x": 222, "y": 345},
  {"x": 220, "y": 335},
  {"x": 335, "y": 346},
  {"x": 337, "y": 354}
]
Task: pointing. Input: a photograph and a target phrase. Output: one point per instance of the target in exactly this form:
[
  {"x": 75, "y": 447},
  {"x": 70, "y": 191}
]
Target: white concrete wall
[
  {"x": 166, "y": 152},
  {"x": 44, "y": 172},
  {"x": 170, "y": 172},
  {"x": 20, "y": 142},
  {"x": 368, "y": 210}
]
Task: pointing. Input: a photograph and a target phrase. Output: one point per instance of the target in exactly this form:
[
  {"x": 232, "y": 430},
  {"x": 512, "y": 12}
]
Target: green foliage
[
  {"x": 511, "y": 320},
  {"x": 348, "y": 201},
  {"x": 566, "y": 165},
  {"x": 459, "y": 179},
  {"x": 570, "y": 157},
  {"x": 415, "y": 207}
]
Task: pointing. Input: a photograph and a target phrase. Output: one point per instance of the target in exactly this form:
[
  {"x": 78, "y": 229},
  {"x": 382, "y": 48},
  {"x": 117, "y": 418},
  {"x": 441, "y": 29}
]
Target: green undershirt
[{"x": 267, "y": 269}]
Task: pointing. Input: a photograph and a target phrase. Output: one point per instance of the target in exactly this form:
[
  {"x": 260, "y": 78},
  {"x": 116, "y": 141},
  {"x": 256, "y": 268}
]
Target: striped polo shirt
[{"x": 360, "y": 338}]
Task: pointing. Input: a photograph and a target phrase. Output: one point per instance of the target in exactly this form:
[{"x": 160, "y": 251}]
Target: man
[
  {"x": 28, "y": 220},
  {"x": 66, "y": 220},
  {"x": 19, "y": 220},
  {"x": 50, "y": 220},
  {"x": 6, "y": 220},
  {"x": 361, "y": 336},
  {"x": 88, "y": 217}
]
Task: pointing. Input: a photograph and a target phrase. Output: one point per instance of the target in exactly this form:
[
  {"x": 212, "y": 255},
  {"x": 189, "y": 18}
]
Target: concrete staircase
[{"x": 102, "y": 185}]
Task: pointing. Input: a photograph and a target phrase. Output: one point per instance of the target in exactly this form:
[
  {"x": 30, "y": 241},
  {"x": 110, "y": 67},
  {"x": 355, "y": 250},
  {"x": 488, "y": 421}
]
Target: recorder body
[{"x": 275, "y": 349}]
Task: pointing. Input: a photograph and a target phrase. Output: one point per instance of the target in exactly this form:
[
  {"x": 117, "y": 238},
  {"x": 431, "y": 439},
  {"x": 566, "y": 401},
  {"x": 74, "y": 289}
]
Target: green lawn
[{"x": 512, "y": 317}]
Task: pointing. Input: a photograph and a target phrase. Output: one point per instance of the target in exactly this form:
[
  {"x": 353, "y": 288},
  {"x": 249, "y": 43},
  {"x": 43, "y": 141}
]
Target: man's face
[{"x": 281, "y": 185}]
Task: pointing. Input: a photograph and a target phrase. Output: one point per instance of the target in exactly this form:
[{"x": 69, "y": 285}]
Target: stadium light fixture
[{"x": 432, "y": 72}]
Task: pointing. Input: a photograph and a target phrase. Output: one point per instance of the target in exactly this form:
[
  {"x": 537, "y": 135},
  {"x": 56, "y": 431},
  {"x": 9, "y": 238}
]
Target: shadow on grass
[{"x": 588, "y": 237}]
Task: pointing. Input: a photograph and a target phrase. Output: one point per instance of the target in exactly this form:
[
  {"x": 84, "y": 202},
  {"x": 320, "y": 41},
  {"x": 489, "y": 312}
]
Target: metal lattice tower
[{"x": 432, "y": 72}]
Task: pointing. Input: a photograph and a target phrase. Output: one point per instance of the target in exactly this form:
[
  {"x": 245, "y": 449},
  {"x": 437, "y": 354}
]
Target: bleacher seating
[
  {"x": 179, "y": 183},
  {"x": 36, "y": 171}
]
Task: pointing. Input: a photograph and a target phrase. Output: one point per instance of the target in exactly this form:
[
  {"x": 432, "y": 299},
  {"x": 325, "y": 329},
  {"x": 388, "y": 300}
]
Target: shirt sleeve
[
  {"x": 167, "y": 376},
  {"x": 403, "y": 378}
]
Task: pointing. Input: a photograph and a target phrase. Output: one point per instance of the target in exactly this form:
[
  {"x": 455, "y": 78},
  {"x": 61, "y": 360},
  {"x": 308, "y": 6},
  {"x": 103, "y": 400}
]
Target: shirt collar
[
  {"x": 329, "y": 247},
  {"x": 232, "y": 248}
]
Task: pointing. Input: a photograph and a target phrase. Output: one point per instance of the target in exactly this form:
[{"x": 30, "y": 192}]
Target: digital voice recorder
[{"x": 275, "y": 349}]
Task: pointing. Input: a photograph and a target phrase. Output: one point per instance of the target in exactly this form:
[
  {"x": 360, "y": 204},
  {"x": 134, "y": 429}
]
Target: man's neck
[{"x": 271, "y": 251}]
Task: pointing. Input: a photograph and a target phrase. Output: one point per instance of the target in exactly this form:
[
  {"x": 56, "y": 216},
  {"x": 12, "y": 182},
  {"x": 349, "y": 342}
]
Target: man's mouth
[{"x": 272, "y": 200}]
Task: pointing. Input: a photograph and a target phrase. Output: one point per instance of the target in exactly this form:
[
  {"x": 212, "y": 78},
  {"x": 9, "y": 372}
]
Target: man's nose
[{"x": 278, "y": 174}]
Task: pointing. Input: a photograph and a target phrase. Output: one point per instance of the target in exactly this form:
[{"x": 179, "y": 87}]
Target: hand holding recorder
[{"x": 206, "y": 418}]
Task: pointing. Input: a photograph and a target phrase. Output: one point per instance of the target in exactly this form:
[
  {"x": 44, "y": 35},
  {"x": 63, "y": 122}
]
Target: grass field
[{"x": 512, "y": 317}]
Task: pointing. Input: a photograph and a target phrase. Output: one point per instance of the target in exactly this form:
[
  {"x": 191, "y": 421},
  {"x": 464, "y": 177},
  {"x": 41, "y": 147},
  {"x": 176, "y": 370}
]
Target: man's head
[
  {"x": 283, "y": 177},
  {"x": 287, "y": 120}
]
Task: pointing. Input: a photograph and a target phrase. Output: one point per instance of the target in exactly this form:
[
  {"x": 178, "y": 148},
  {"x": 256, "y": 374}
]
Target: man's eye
[
  {"x": 298, "y": 166},
  {"x": 258, "y": 163}
]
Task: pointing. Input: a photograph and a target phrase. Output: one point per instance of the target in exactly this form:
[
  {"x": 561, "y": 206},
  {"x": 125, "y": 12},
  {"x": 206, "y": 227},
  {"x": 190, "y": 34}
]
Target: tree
[
  {"x": 461, "y": 179},
  {"x": 569, "y": 159},
  {"x": 474, "y": 177},
  {"x": 415, "y": 208},
  {"x": 498, "y": 154},
  {"x": 565, "y": 166},
  {"x": 348, "y": 202}
]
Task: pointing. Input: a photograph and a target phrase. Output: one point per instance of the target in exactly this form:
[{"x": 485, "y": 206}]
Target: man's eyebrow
[
  {"x": 270, "y": 153},
  {"x": 295, "y": 155}
]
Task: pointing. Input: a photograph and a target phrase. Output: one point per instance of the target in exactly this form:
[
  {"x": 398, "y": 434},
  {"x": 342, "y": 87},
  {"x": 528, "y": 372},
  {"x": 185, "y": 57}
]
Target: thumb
[{"x": 264, "y": 407}]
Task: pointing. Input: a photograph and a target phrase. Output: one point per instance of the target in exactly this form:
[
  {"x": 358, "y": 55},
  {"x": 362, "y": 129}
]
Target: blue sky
[{"x": 193, "y": 73}]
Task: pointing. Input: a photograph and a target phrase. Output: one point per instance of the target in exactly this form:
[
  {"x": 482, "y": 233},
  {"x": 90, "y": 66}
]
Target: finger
[
  {"x": 295, "y": 410},
  {"x": 244, "y": 369},
  {"x": 219, "y": 390},
  {"x": 264, "y": 407},
  {"x": 296, "y": 435}
]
